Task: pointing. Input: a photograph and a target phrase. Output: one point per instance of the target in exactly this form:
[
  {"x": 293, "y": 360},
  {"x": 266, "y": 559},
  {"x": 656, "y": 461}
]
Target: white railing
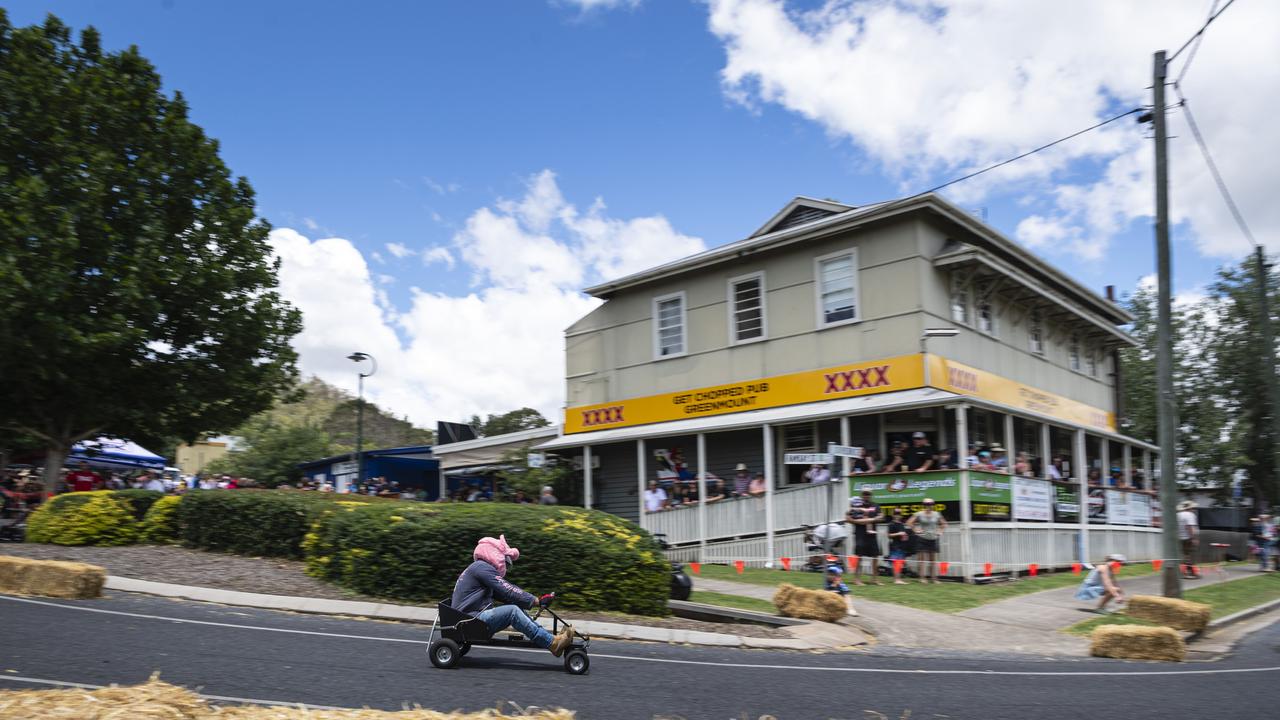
[{"x": 793, "y": 508}]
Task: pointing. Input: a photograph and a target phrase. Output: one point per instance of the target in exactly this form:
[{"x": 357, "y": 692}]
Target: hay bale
[
  {"x": 156, "y": 699},
  {"x": 1135, "y": 642},
  {"x": 51, "y": 578},
  {"x": 797, "y": 602},
  {"x": 1170, "y": 612}
]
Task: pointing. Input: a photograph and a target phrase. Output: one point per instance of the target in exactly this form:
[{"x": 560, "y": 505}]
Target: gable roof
[{"x": 799, "y": 211}]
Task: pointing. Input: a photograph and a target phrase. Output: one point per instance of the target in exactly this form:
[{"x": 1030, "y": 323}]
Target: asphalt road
[{"x": 270, "y": 656}]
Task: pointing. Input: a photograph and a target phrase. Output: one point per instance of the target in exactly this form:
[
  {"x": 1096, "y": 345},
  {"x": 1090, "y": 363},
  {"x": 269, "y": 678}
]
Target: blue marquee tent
[{"x": 116, "y": 453}]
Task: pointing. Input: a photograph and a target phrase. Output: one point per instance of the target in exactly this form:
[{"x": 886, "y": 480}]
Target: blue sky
[{"x": 424, "y": 126}]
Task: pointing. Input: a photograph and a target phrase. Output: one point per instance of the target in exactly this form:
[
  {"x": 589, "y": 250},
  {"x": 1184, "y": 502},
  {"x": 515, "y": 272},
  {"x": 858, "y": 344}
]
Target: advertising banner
[
  {"x": 990, "y": 495},
  {"x": 1066, "y": 503},
  {"x": 1097, "y": 506},
  {"x": 950, "y": 375},
  {"x": 1140, "y": 510},
  {"x": 1032, "y": 500},
  {"x": 906, "y": 491},
  {"x": 869, "y": 378},
  {"x": 1118, "y": 512}
]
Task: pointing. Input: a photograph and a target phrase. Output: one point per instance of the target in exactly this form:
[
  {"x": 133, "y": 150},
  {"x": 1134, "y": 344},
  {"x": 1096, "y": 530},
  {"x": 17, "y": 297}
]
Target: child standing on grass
[{"x": 835, "y": 582}]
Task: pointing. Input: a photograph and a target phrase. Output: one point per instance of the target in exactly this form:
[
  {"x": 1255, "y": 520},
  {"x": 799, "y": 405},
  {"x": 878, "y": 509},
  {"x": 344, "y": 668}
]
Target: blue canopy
[{"x": 115, "y": 453}]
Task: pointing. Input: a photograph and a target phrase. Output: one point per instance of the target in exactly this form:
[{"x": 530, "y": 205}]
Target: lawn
[
  {"x": 733, "y": 601},
  {"x": 948, "y": 597},
  {"x": 1226, "y": 598}
]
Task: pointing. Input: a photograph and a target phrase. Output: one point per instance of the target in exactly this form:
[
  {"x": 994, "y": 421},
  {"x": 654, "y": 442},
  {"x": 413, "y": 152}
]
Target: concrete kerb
[
  {"x": 1243, "y": 615},
  {"x": 809, "y": 638}
]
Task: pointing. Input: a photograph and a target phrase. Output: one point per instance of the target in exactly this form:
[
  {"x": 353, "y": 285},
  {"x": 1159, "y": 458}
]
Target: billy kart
[{"x": 459, "y": 631}]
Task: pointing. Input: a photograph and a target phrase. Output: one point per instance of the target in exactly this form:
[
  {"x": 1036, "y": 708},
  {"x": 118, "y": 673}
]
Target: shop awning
[{"x": 904, "y": 399}]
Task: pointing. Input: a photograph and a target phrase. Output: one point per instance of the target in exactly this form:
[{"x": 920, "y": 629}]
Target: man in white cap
[
  {"x": 920, "y": 456},
  {"x": 741, "y": 479},
  {"x": 1189, "y": 536}
]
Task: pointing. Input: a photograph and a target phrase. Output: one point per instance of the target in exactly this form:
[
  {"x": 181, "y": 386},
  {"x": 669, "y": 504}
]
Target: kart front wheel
[
  {"x": 576, "y": 662},
  {"x": 445, "y": 653}
]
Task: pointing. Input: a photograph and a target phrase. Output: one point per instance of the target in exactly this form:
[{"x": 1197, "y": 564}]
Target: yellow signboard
[
  {"x": 947, "y": 374},
  {"x": 890, "y": 375}
]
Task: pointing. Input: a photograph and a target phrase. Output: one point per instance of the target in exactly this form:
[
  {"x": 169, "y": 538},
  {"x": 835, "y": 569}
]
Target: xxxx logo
[
  {"x": 856, "y": 379},
  {"x": 602, "y": 416}
]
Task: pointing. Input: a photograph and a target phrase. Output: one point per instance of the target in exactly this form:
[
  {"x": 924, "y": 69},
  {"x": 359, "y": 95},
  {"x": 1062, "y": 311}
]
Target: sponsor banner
[
  {"x": 905, "y": 492},
  {"x": 1140, "y": 509},
  {"x": 1032, "y": 499},
  {"x": 950, "y": 375},
  {"x": 1118, "y": 507},
  {"x": 1097, "y": 506},
  {"x": 899, "y": 373},
  {"x": 990, "y": 495},
  {"x": 1066, "y": 503}
]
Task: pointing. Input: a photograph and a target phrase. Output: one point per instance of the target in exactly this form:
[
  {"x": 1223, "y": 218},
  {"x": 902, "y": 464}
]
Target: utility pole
[
  {"x": 1167, "y": 404},
  {"x": 1269, "y": 372}
]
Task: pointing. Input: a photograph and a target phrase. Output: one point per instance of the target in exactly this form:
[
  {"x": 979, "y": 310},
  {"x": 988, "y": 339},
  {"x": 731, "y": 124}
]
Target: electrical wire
[
  {"x": 1198, "y": 33},
  {"x": 1213, "y": 167},
  {"x": 1028, "y": 153},
  {"x": 1199, "y": 38}
]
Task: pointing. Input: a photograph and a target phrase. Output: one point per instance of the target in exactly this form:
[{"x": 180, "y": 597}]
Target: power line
[
  {"x": 1198, "y": 33},
  {"x": 1028, "y": 153},
  {"x": 1213, "y": 167},
  {"x": 1198, "y": 38}
]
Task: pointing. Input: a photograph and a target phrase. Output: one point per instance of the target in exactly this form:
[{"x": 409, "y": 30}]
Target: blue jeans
[{"x": 504, "y": 616}]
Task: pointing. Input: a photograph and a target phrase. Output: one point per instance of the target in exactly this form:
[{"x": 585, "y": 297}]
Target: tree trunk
[{"x": 53, "y": 461}]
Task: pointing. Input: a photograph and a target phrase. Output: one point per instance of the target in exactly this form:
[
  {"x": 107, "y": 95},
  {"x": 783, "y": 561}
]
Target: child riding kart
[{"x": 469, "y": 618}]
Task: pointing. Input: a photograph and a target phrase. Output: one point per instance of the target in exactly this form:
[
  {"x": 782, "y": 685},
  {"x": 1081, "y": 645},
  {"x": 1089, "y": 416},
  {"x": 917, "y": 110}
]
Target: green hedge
[
  {"x": 414, "y": 552},
  {"x": 161, "y": 522},
  {"x": 89, "y": 518}
]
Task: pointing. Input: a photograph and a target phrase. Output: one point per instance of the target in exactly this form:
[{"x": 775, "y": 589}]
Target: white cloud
[
  {"x": 493, "y": 349},
  {"x": 399, "y": 250},
  {"x": 931, "y": 90},
  {"x": 312, "y": 225},
  {"x": 387, "y": 279},
  {"x": 440, "y": 188},
  {"x": 377, "y": 256},
  {"x": 438, "y": 254},
  {"x": 589, "y": 5}
]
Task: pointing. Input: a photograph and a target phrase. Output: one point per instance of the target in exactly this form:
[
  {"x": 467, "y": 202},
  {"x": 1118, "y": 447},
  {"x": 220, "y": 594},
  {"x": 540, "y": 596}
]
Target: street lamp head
[
  {"x": 357, "y": 356},
  {"x": 940, "y": 332},
  {"x": 360, "y": 357}
]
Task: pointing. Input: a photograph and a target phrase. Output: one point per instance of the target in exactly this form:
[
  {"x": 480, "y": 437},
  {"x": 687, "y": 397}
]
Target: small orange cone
[
  {"x": 853, "y": 561},
  {"x": 986, "y": 569},
  {"x": 739, "y": 565},
  {"x": 897, "y": 567},
  {"x": 786, "y": 563},
  {"x": 1034, "y": 569},
  {"x": 696, "y": 568},
  {"x": 1155, "y": 564},
  {"x": 943, "y": 567},
  {"x": 1075, "y": 568}
]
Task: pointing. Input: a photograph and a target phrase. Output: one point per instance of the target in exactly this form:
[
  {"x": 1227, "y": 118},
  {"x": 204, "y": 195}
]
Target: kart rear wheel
[
  {"x": 445, "y": 653},
  {"x": 576, "y": 662}
]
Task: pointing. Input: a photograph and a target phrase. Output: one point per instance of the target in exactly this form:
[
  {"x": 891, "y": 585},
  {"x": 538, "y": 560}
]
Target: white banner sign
[
  {"x": 1140, "y": 509},
  {"x": 807, "y": 459},
  {"x": 536, "y": 460},
  {"x": 1118, "y": 508},
  {"x": 350, "y": 467},
  {"x": 844, "y": 450},
  {"x": 1032, "y": 499}
]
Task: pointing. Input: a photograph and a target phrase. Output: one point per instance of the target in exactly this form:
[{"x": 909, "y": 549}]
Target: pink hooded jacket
[{"x": 495, "y": 552}]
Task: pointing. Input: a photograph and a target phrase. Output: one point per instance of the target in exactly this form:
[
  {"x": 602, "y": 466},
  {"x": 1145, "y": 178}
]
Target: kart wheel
[
  {"x": 576, "y": 662},
  {"x": 466, "y": 648},
  {"x": 445, "y": 653}
]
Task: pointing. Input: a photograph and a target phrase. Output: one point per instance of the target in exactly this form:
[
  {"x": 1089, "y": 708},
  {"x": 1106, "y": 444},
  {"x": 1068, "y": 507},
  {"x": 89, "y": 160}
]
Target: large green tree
[
  {"x": 137, "y": 288},
  {"x": 524, "y": 418}
]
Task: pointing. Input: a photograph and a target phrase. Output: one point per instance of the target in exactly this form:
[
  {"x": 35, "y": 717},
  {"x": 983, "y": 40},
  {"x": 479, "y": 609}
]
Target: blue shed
[{"x": 412, "y": 468}]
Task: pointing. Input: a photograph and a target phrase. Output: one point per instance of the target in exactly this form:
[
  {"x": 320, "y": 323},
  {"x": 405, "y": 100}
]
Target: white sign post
[
  {"x": 807, "y": 459},
  {"x": 536, "y": 460},
  {"x": 844, "y": 450}
]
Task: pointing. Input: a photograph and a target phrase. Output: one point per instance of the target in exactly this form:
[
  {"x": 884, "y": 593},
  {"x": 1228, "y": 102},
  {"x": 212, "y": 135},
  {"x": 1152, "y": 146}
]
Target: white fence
[
  {"x": 1007, "y": 546},
  {"x": 793, "y": 508}
]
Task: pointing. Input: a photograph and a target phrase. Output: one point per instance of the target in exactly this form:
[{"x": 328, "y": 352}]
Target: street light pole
[{"x": 358, "y": 357}]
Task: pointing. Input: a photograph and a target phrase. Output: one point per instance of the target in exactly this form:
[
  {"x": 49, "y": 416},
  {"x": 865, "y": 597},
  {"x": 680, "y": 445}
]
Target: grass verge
[
  {"x": 948, "y": 597},
  {"x": 1225, "y": 598},
  {"x": 733, "y": 601}
]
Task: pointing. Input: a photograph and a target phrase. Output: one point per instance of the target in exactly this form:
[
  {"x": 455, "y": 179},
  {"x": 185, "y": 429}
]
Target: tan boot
[{"x": 561, "y": 641}]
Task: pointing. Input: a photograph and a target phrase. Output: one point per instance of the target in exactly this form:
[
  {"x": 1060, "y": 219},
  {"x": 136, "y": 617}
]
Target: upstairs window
[
  {"x": 987, "y": 318},
  {"x": 746, "y": 308},
  {"x": 838, "y": 288},
  {"x": 1073, "y": 353},
  {"x": 668, "y": 323},
  {"x": 960, "y": 306},
  {"x": 1091, "y": 362},
  {"x": 1035, "y": 334}
]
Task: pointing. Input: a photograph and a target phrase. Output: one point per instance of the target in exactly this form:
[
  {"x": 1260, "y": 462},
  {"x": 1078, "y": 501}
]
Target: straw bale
[
  {"x": 799, "y": 602},
  {"x": 52, "y": 578},
  {"x": 154, "y": 700},
  {"x": 1170, "y": 612},
  {"x": 1136, "y": 642}
]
